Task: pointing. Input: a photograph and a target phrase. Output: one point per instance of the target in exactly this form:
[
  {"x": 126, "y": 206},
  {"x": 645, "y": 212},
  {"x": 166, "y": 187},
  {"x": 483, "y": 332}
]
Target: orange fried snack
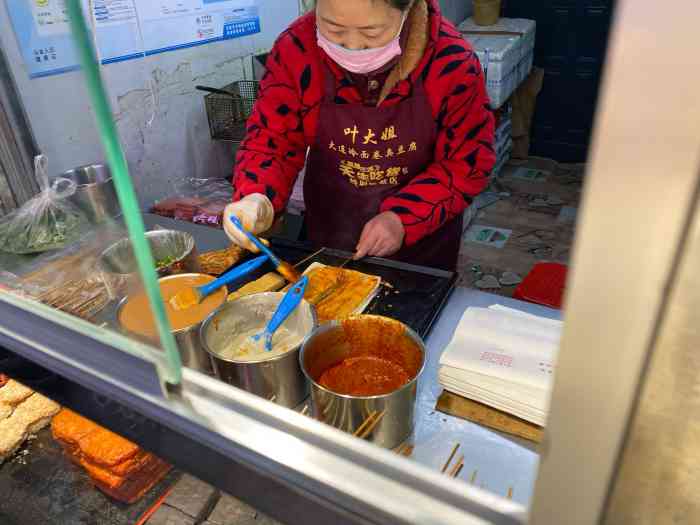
[
  {"x": 349, "y": 290},
  {"x": 116, "y": 466},
  {"x": 97, "y": 444},
  {"x": 136, "y": 486}
]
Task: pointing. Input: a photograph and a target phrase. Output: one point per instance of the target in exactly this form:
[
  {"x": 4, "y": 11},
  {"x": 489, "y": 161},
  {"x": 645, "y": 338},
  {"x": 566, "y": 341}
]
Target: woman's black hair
[{"x": 400, "y": 4}]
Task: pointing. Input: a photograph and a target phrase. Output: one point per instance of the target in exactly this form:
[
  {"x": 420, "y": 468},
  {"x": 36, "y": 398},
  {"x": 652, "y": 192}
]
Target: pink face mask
[{"x": 361, "y": 61}]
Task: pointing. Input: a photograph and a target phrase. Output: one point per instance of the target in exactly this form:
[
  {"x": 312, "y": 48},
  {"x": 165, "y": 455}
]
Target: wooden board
[{"x": 464, "y": 408}]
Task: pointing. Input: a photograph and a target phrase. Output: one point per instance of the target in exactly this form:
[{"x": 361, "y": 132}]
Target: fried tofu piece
[
  {"x": 28, "y": 417},
  {"x": 14, "y": 392},
  {"x": 117, "y": 467},
  {"x": 349, "y": 290},
  {"x": 217, "y": 262},
  {"x": 97, "y": 444},
  {"x": 270, "y": 282},
  {"x": 12, "y": 435},
  {"x": 5, "y": 411},
  {"x": 36, "y": 412}
]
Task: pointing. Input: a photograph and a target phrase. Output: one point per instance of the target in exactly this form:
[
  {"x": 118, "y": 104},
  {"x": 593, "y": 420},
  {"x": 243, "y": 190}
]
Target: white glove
[{"x": 255, "y": 212}]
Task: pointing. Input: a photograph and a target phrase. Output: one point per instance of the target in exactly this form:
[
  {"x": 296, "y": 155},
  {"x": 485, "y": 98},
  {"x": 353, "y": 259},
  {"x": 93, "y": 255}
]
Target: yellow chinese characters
[
  {"x": 362, "y": 176},
  {"x": 370, "y": 137}
]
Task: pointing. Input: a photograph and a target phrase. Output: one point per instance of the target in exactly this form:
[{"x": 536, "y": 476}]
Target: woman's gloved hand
[{"x": 255, "y": 212}]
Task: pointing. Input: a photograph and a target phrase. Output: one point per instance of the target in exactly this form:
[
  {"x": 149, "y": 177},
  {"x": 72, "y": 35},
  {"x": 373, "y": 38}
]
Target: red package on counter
[
  {"x": 211, "y": 214},
  {"x": 166, "y": 207},
  {"x": 544, "y": 285}
]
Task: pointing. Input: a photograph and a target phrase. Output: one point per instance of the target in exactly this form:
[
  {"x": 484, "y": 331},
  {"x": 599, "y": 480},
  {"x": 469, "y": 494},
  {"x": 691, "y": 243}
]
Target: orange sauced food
[
  {"x": 364, "y": 376},
  {"x": 136, "y": 315},
  {"x": 348, "y": 291}
]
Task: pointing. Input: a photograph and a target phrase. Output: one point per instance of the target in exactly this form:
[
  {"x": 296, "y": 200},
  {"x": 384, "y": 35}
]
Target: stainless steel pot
[
  {"x": 333, "y": 342},
  {"x": 191, "y": 352},
  {"x": 119, "y": 270},
  {"x": 95, "y": 194},
  {"x": 278, "y": 379}
]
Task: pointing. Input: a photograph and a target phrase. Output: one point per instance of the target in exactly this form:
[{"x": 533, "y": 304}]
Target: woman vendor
[{"x": 391, "y": 101}]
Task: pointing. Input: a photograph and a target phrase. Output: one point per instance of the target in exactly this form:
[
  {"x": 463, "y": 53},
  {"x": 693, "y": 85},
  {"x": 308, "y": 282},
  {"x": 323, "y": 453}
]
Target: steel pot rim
[
  {"x": 334, "y": 324},
  {"x": 297, "y": 349},
  {"x": 152, "y": 233},
  {"x": 190, "y": 328}
]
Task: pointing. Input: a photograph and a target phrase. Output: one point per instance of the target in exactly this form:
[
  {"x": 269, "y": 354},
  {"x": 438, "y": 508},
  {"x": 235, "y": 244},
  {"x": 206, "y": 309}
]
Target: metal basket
[{"x": 228, "y": 114}]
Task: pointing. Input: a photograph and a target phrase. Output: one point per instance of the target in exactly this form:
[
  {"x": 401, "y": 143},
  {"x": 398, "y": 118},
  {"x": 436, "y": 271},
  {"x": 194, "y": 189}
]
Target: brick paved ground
[{"x": 193, "y": 502}]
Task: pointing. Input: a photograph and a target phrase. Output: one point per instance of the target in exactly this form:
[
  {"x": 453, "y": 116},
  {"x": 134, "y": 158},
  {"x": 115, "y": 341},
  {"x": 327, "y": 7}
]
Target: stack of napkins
[{"x": 505, "y": 359}]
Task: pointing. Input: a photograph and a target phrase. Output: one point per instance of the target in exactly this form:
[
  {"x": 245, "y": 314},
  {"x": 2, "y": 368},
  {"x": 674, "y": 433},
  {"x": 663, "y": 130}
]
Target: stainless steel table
[{"x": 501, "y": 462}]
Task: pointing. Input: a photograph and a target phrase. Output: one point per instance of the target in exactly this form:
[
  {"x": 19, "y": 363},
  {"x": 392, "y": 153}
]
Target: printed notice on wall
[
  {"x": 134, "y": 28},
  {"x": 126, "y": 29},
  {"x": 43, "y": 35}
]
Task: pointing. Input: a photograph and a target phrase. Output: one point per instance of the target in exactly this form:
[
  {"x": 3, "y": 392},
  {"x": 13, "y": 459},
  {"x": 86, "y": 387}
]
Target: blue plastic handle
[
  {"x": 259, "y": 245},
  {"x": 232, "y": 275},
  {"x": 289, "y": 303}
]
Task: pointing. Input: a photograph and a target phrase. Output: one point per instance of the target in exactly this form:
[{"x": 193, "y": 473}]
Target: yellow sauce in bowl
[{"x": 136, "y": 316}]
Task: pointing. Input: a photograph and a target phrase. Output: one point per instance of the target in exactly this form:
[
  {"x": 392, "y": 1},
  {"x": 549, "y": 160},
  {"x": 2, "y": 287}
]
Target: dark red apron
[{"x": 362, "y": 156}]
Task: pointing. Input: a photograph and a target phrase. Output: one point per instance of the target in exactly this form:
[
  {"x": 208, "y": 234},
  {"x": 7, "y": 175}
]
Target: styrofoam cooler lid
[{"x": 497, "y": 48}]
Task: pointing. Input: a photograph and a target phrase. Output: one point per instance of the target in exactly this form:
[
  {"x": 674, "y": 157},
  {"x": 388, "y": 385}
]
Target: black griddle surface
[
  {"x": 44, "y": 487},
  {"x": 416, "y": 294}
]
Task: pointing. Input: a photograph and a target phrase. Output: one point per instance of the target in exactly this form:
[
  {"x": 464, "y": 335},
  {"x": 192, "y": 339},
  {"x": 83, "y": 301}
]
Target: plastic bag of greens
[{"x": 46, "y": 222}]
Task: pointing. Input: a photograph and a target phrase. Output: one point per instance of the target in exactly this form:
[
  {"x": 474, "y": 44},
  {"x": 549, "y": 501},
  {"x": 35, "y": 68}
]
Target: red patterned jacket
[{"x": 285, "y": 118}]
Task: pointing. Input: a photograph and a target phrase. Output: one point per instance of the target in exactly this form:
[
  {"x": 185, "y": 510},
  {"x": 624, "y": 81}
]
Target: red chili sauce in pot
[{"x": 364, "y": 376}]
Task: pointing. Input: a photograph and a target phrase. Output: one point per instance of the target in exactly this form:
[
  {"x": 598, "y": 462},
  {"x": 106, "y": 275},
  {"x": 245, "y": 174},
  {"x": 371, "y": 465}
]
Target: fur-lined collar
[{"x": 417, "y": 42}]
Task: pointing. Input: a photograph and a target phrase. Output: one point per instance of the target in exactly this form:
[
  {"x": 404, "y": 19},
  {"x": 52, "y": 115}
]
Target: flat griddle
[{"x": 415, "y": 296}]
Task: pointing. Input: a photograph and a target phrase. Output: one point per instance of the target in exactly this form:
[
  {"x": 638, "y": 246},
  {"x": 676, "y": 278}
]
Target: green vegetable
[
  {"x": 42, "y": 224},
  {"x": 165, "y": 261}
]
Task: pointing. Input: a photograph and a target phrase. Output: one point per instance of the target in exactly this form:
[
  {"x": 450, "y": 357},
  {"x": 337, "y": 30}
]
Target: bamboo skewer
[
  {"x": 373, "y": 425},
  {"x": 458, "y": 466},
  {"x": 449, "y": 460},
  {"x": 310, "y": 257},
  {"x": 370, "y": 428},
  {"x": 369, "y": 424},
  {"x": 364, "y": 424}
]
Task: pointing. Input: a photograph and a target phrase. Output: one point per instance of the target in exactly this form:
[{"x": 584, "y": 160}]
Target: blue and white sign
[
  {"x": 43, "y": 35},
  {"x": 126, "y": 29},
  {"x": 130, "y": 28}
]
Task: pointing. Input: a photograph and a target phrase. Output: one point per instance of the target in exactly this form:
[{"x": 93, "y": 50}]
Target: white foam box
[
  {"x": 506, "y": 52},
  {"x": 502, "y": 160},
  {"x": 504, "y": 130}
]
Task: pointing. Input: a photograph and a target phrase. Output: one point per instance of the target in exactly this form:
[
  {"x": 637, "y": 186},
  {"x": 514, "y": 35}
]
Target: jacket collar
[{"x": 423, "y": 25}]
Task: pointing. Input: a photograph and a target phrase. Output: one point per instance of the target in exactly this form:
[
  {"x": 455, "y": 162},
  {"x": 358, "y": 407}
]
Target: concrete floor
[{"x": 540, "y": 215}]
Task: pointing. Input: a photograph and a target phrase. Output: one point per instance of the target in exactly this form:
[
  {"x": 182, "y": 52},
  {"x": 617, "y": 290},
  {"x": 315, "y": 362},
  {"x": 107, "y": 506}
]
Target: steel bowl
[
  {"x": 278, "y": 379},
  {"x": 95, "y": 194},
  {"x": 330, "y": 344},
  {"x": 119, "y": 270},
  {"x": 191, "y": 352}
]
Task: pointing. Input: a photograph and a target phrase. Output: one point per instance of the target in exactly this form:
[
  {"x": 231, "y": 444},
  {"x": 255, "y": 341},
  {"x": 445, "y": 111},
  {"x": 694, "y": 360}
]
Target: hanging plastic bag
[{"x": 46, "y": 222}]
